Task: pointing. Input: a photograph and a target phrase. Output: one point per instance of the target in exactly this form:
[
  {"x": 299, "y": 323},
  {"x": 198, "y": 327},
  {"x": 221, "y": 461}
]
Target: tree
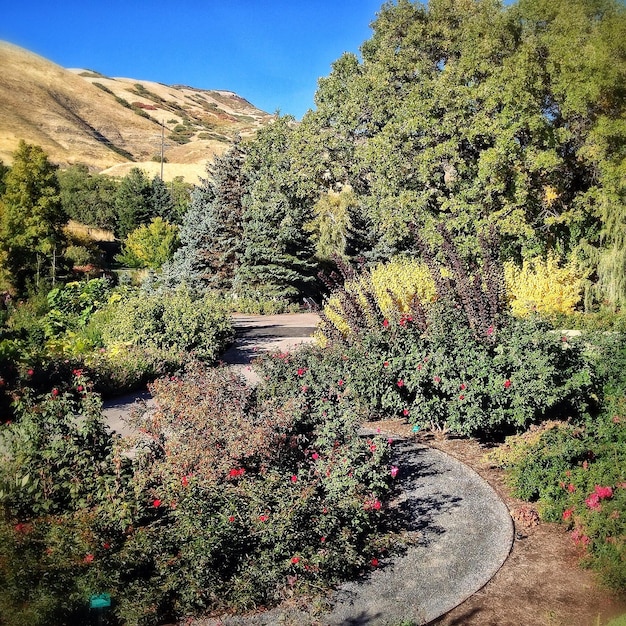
[
  {"x": 150, "y": 245},
  {"x": 469, "y": 113},
  {"x": 133, "y": 202},
  {"x": 31, "y": 218},
  {"x": 161, "y": 201},
  {"x": 88, "y": 198},
  {"x": 211, "y": 233},
  {"x": 276, "y": 258}
]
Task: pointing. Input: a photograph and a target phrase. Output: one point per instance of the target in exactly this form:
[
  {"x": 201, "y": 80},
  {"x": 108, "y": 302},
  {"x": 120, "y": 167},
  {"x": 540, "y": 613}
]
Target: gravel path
[{"x": 464, "y": 530}]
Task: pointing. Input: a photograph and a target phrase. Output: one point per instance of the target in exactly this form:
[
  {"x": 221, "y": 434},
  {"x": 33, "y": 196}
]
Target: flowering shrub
[
  {"x": 65, "y": 500},
  {"x": 577, "y": 475},
  {"x": 232, "y": 499},
  {"x": 577, "y": 471}
]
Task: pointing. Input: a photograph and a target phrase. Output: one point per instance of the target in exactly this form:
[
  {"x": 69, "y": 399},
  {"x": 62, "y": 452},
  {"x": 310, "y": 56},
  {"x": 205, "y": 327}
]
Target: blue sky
[{"x": 270, "y": 52}]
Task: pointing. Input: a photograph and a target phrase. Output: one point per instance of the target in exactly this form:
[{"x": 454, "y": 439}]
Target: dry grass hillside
[{"x": 113, "y": 124}]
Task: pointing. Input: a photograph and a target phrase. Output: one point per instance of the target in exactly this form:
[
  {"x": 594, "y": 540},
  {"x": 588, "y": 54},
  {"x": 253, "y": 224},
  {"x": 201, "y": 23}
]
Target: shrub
[
  {"x": 65, "y": 503},
  {"x": 543, "y": 286},
  {"x": 171, "y": 322}
]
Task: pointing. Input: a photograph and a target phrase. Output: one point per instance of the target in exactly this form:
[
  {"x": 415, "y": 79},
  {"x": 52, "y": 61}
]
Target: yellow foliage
[
  {"x": 394, "y": 285},
  {"x": 397, "y": 282},
  {"x": 543, "y": 286}
]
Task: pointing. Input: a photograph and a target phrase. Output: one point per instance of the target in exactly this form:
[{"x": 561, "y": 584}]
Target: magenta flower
[
  {"x": 400, "y": 383},
  {"x": 294, "y": 478},
  {"x": 315, "y": 456},
  {"x": 394, "y": 471}
]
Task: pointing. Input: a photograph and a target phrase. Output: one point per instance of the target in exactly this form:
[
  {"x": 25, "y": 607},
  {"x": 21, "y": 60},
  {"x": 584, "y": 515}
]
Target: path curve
[{"x": 464, "y": 529}]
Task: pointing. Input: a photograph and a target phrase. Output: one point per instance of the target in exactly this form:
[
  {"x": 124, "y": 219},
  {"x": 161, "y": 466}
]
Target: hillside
[{"x": 113, "y": 124}]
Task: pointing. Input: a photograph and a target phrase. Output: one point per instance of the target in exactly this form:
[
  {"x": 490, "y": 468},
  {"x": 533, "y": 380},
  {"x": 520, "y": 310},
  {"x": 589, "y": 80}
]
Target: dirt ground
[{"x": 541, "y": 583}]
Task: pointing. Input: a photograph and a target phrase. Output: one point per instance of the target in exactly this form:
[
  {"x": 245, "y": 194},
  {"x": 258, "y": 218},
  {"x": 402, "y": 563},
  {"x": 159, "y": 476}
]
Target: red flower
[
  {"x": 603, "y": 492},
  {"x": 315, "y": 456},
  {"x": 185, "y": 481},
  {"x": 30, "y": 372},
  {"x": 88, "y": 558},
  {"x": 301, "y": 371},
  {"x": 507, "y": 383},
  {"x": 323, "y": 539},
  {"x": 295, "y": 560},
  {"x": 567, "y": 513},
  {"x": 405, "y": 412},
  {"x": 463, "y": 387},
  {"x": 374, "y": 562},
  {"x": 79, "y": 388},
  {"x": 294, "y": 478},
  {"x": 373, "y": 448},
  {"x": 461, "y": 397},
  {"x": 386, "y": 323},
  {"x": 386, "y": 364},
  {"x": 156, "y": 503},
  {"x": 106, "y": 545},
  {"x": 340, "y": 383},
  {"x": 400, "y": 383},
  {"x": 263, "y": 518},
  {"x": 231, "y": 518},
  {"x": 55, "y": 392},
  {"x": 236, "y": 472},
  {"x": 571, "y": 488}
]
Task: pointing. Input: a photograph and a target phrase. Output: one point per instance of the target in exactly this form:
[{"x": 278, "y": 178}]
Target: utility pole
[{"x": 162, "y": 144}]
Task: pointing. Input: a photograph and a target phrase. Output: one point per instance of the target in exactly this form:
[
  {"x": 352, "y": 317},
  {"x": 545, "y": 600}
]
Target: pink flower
[
  {"x": 461, "y": 397},
  {"x": 30, "y": 372},
  {"x": 263, "y": 518},
  {"x": 341, "y": 382},
  {"x": 156, "y": 503},
  {"x": 405, "y": 412},
  {"x": 376, "y": 505},
  {"x": 400, "y": 383},
  {"x": 490, "y": 331},
  {"x": 386, "y": 323},
  {"x": 294, "y": 478},
  {"x": 323, "y": 539},
  {"x": 386, "y": 364},
  {"x": 373, "y": 448},
  {"x": 304, "y": 388},
  {"x": 507, "y": 383},
  {"x": 616, "y": 419},
  {"x": 593, "y": 502},
  {"x": 55, "y": 392},
  {"x": 603, "y": 492},
  {"x": 567, "y": 513},
  {"x": 79, "y": 388},
  {"x": 394, "y": 471},
  {"x": 462, "y": 387},
  {"x": 315, "y": 456},
  {"x": 571, "y": 488},
  {"x": 88, "y": 558},
  {"x": 436, "y": 379},
  {"x": 390, "y": 441},
  {"x": 301, "y": 371},
  {"x": 419, "y": 367}
]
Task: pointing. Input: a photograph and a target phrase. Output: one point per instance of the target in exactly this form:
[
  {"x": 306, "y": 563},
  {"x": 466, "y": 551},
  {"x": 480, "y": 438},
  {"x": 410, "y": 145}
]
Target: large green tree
[
  {"x": 88, "y": 198},
  {"x": 471, "y": 113},
  {"x": 133, "y": 202},
  {"x": 211, "y": 234},
  {"x": 31, "y": 218},
  {"x": 276, "y": 258}
]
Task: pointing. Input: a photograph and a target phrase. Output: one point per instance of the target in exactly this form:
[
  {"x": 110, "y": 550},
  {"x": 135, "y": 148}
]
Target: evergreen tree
[
  {"x": 161, "y": 201},
  {"x": 31, "y": 218},
  {"x": 211, "y": 233},
  {"x": 133, "y": 202},
  {"x": 276, "y": 258}
]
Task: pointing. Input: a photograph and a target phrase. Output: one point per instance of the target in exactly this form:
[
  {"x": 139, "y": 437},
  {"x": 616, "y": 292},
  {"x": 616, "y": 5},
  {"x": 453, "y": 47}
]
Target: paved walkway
[{"x": 464, "y": 531}]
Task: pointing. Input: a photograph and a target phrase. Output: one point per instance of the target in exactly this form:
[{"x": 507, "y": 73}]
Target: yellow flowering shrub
[{"x": 543, "y": 286}]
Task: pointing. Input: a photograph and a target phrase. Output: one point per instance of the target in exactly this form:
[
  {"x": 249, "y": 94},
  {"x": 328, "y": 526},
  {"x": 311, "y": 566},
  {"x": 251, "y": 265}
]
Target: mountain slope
[{"x": 113, "y": 124}]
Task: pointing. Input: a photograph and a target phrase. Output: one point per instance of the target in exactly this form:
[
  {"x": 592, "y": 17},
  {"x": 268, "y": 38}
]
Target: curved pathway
[{"x": 463, "y": 531}]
